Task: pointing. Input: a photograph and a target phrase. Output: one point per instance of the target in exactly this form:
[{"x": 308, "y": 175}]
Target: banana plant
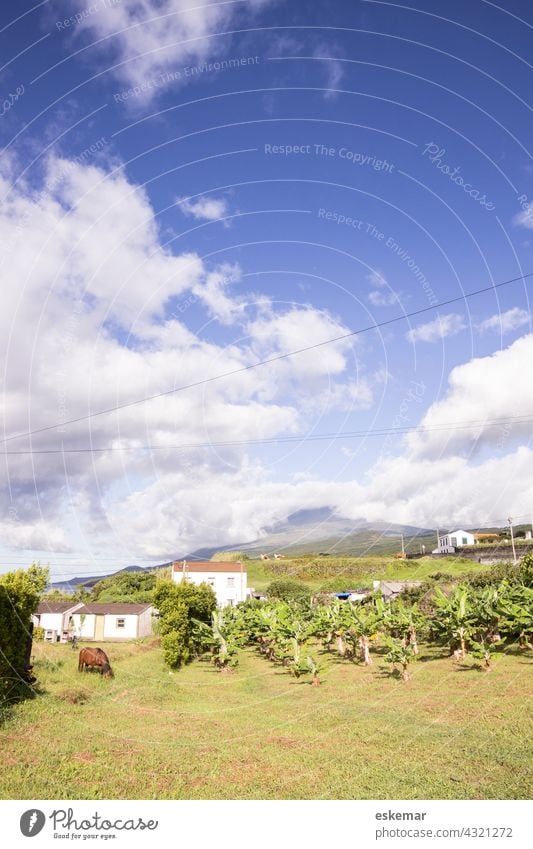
[
  {"x": 314, "y": 668},
  {"x": 400, "y": 655},
  {"x": 403, "y": 622},
  {"x": 225, "y": 650},
  {"x": 455, "y": 618},
  {"x": 483, "y": 649},
  {"x": 516, "y": 608},
  {"x": 366, "y": 623}
]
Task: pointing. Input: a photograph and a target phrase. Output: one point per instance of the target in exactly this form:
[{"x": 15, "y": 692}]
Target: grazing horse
[{"x": 95, "y": 657}]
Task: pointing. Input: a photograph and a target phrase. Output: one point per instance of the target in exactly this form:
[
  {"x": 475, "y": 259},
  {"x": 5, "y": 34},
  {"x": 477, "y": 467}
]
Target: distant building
[
  {"x": 392, "y": 589},
  {"x": 55, "y": 617},
  {"x": 113, "y": 621},
  {"x": 452, "y": 540},
  {"x": 228, "y": 579}
]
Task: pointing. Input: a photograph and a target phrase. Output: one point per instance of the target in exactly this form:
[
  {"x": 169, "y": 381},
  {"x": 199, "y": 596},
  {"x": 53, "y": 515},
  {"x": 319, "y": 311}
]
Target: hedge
[{"x": 19, "y": 596}]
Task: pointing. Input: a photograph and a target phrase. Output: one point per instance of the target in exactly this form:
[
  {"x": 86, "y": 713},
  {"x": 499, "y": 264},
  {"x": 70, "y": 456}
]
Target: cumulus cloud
[
  {"x": 204, "y": 209},
  {"x": 377, "y": 278},
  {"x": 444, "y": 325},
  {"x": 479, "y": 391},
  {"x": 383, "y": 295},
  {"x": 148, "y": 38},
  {"x": 96, "y": 320},
  {"x": 382, "y": 299},
  {"x": 505, "y": 322},
  {"x": 525, "y": 217}
]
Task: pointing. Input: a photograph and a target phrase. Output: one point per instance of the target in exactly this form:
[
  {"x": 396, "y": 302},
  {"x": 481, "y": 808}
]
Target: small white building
[
  {"x": 392, "y": 589},
  {"x": 228, "y": 579},
  {"x": 113, "y": 621},
  {"x": 452, "y": 540},
  {"x": 55, "y": 617}
]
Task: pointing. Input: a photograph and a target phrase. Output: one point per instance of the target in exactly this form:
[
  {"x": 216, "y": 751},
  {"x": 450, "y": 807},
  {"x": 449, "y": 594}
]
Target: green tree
[
  {"x": 179, "y": 606},
  {"x": 288, "y": 590},
  {"x": 20, "y": 592}
]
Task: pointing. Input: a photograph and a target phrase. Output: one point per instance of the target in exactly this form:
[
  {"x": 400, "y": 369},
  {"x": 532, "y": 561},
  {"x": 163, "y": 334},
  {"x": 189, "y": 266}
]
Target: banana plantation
[{"x": 467, "y": 622}]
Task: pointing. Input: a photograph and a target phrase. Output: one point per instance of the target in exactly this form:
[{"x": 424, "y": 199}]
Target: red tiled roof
[{"x": 208, "y": 566}]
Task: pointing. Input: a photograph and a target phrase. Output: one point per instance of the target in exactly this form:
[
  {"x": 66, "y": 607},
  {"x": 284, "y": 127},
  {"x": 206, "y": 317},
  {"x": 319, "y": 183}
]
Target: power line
[
  {"x": 270, "y": 360},
  {"x": 527, "y": 418}
]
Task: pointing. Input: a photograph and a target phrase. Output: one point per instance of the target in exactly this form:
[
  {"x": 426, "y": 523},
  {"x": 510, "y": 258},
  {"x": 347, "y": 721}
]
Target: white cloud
[
  {"x": 483, "y": 389},
  {"x": 149, "y": 37},
  {"x": 525, "y": 217},
  {"x": 97, "y": 320},
  {"x": 383, "y": 295},
  {"x": 444, "y": 325},
  {"x": 332, "y": 67},
  {"x": 204, "y": 209},
  {"x": 505, "y": 322},
  {"x": 376, "y": 278},
  {"x": 383, "y": 299}
]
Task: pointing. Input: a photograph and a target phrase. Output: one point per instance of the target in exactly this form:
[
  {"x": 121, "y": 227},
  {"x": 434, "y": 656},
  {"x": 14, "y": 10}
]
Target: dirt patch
[{"x": 74, "y": 696}]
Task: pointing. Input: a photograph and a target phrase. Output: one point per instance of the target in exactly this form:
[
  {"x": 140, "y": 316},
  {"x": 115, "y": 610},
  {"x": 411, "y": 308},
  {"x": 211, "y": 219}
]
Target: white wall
[
  {"x": 226, "y": 592},
  {"x": 85, "y": 631},
  {"x": 146, "y": 623},
  {"x": 112, "y": 631},
  {"x": 51, "y": 621},
  {"x": 449, "y": 542},
  {"x": 134, "y": 626}
]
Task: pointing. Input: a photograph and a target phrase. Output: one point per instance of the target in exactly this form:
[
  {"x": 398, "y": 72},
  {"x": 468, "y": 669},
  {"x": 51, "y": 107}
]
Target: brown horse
[{"x": 95, "y": 657}]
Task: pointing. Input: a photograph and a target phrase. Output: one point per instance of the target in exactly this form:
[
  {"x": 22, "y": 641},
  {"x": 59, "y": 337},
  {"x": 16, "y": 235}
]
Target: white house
[
  {"x": 227, "y": 579},
  {"x": 450, "y": 541},
  {"x": 56, "y": 619},
  {"x": 113, "y": 621}
]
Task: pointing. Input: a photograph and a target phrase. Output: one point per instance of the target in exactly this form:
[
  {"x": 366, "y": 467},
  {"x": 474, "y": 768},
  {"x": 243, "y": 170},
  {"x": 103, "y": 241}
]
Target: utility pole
[
  {"x": 403, "y": 548},
  {"x": 512, "y": 538}
]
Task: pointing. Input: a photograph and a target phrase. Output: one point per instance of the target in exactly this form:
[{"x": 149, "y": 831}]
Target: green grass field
[
  {"x": 337, "y": 573},
  {"x": 449, "y": 733}
]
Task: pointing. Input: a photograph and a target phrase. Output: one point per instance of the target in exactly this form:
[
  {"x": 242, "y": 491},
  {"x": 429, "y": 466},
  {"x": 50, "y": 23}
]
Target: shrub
[
  {"x": 38, "y": 633},
  {"x": 514, "y": 573},
  {"x": 175, "y": 651},
  {"x": 180, "y": 606},
  {"x": 19, "y": 595},
  {"x": 288, "y": 590}
]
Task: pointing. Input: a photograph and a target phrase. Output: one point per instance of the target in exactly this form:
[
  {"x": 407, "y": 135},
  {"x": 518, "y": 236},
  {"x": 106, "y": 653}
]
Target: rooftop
[
  {"x": 209, "y": 567},
  {"x": 118, "y": 608},
  {"x": 56, "y": 606}
]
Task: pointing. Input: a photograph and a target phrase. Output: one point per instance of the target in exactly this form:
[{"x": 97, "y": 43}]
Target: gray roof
[
  {"x": 56, "y": 606},
  {"x": 117, "y": 608}
]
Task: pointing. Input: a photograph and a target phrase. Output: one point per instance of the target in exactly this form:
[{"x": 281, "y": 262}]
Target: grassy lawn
[
  {"x": 451, "y": 732},
  {"x": 349, "y": 572}
]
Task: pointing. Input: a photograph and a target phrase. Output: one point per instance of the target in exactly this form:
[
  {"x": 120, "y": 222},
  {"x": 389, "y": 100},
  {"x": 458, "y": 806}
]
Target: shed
[
  {"x": 55, "y": 617},
  {"x": 392, "y": 589},
  {"x": 113, "y": 621}
]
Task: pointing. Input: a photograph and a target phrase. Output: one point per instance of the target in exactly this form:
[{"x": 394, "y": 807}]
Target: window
[
  {"x": 211, "y": 581},
  {"x": 465, "y": 541},
  {"x": 230, "y": 582},
  {"x": 454, "y": 541},
  {"x": 121, "y": 623}
]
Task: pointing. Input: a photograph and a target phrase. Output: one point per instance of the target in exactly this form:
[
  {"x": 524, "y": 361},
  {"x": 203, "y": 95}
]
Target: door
[{"x": 99, "y": 628}]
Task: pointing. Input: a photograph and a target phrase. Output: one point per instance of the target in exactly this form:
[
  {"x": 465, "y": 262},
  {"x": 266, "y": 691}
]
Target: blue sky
[{"x": 188, "y": 189}]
